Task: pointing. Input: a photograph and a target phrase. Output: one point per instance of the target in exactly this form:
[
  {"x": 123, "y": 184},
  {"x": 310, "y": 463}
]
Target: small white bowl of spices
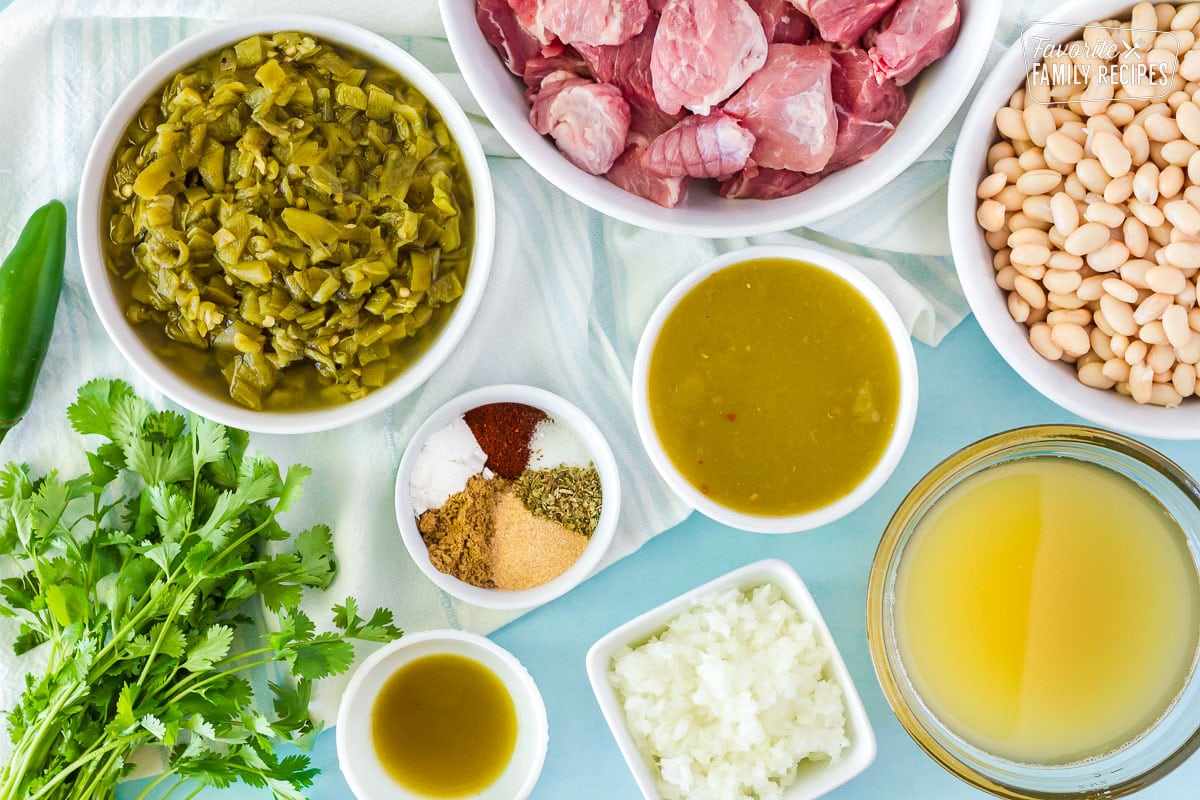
[{"x": 507, "y": 497}]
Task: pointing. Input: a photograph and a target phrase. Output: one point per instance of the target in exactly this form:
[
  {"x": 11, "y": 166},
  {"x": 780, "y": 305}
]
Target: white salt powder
[
  {"x": 450, "y": 456},
  {"x": 554, "y": 444}
]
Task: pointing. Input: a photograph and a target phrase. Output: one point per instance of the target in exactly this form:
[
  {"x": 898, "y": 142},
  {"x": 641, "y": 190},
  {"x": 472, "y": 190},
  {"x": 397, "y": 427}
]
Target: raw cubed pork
[
  {"x": 626, "y": 66},
  {"x": 917, "y": 33},
  {"x": 587, "y": 120},
  {"x": 844, "y": 21},
  {"x": 703, "y": 51},
  {"x": 595, "y": 22},
  {"x": 539, "y": 67},
  {"x": 715, "y": 146},
  {"x": 788, "y": 106},
  {"x": 630, "y": 173},
  {"x": 761, "y": 183},
  {"x": 500, "y": 27},
  {"x": 793, "y": 27},
  {"x": 532, "y": 16},
  {"x": 782, "y": 22},
  {"x": 867, "y": 111}
]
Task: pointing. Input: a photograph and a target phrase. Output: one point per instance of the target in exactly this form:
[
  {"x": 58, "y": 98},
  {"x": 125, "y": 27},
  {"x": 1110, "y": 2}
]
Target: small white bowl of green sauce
[
  {"x": 442, "y": 714},
  {"x": 775, "y": 389}
]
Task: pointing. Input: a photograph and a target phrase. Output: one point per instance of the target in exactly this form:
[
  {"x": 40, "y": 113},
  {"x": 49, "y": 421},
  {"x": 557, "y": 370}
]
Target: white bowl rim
[
  {"x": 562, "y": 411},
  {"x": 906, "y": 412},
  {"x": 148, "y": 80},
  {"x": 1053, "y": 380},
  {"x": 863, "y": 747},
  {"x": 638, "y": 211},
  {"x": 517, "y": 678}
]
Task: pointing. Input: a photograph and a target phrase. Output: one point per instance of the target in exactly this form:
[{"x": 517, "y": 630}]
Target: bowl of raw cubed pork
[{"x": 720, "y": 117}]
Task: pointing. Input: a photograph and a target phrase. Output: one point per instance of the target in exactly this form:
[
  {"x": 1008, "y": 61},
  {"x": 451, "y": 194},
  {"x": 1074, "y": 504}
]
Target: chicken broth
[
  {"x": 1047, "y": 610},
  {"x": 774, "y": 387}
]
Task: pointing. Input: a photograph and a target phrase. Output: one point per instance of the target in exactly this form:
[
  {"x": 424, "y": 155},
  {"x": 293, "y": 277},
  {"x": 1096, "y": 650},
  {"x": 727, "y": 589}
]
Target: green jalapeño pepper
[{"x": 30, "y": 282}]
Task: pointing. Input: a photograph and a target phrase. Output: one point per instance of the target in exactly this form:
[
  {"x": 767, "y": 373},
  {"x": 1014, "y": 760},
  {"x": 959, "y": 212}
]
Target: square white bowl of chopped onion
[{"x": 735, "y": 688}]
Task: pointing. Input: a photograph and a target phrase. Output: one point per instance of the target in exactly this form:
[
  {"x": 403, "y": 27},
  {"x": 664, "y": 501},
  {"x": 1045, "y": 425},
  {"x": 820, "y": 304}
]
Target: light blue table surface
[{"x": 967, "y": 392}]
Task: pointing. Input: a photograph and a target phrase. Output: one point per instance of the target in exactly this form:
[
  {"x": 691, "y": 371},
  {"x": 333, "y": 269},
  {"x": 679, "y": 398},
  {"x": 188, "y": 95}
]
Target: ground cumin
[{"x": 459, "y": 534}]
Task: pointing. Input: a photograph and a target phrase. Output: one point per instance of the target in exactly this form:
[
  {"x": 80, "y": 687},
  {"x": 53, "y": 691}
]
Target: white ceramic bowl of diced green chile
[{"x": 331, "y": 253}]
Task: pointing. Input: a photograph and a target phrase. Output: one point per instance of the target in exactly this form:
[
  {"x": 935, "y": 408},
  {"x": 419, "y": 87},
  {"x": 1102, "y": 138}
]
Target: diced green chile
[{"x": 292, "y": 211}]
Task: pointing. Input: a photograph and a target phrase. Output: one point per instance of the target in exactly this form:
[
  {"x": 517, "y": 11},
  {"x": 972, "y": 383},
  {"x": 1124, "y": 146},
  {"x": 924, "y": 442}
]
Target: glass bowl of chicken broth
[
  {"x": 1033, "y": 613},
  {"x": 672, "y": 118}
]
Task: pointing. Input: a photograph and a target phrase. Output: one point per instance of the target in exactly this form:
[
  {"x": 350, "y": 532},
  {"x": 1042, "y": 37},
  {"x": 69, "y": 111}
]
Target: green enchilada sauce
[{"x": 774, "y": 387}]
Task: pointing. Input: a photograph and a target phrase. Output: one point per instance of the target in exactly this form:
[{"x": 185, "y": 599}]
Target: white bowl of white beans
[{"x": 1074, "y": 211}]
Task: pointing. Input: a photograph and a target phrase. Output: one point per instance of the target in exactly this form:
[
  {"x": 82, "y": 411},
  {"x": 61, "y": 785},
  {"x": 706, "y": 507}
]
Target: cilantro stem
[
  {"x": 153, "y": 784},
  {"x": 91, "y": 787},
  {"x": 184, "y": 690},
  {"x": 93, "y": 754}
]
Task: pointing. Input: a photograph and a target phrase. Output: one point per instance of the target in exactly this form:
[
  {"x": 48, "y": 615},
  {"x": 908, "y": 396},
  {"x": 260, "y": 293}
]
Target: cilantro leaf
[{"x": 210, "y": 649}]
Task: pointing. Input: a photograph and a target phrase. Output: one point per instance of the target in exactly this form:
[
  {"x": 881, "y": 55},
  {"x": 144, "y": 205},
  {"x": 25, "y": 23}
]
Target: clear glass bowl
[{"x": 1138, "y": 763}]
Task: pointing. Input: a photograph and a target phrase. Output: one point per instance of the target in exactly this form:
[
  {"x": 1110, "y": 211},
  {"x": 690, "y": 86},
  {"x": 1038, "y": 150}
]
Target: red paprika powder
[{"x": 504, "y": 431}]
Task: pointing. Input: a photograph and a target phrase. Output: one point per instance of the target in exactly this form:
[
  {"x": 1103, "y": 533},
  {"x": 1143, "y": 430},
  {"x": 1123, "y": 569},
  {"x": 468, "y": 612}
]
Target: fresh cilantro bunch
[{"x": 137, "y": 576}]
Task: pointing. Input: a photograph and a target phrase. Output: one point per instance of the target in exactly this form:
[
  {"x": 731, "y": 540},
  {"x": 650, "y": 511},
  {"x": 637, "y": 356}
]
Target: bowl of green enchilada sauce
[{"x": 286, "y": 223}]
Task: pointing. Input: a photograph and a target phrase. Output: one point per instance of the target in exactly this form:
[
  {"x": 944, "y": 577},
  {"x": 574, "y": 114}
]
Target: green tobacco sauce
[{"x": 774, "y": 387}]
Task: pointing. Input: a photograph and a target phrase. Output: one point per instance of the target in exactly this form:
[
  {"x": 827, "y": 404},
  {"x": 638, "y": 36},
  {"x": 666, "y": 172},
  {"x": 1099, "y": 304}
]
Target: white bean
[
  {"x": 1070, "y": 338},
  {"x": 1028, "y": 236},
  {"x": 1121, "y": 290},
  {"x": 1175, "y": 325},
  {"x": 1116, "y": 370},
  {"x": 1092, "y": 374},
  {"x": 1183, "y": 378},
  {"x": 1034, "y": 255},
  {"x": 991, "y": 185},
  {"x": 1148, "y": 213},
  {"x": 1137, "y": 142},
  {"x": 1112, "y": 153},
  {"x": 1165, "y": 279},
  {"x": 1064, "y": 212},
  {"x": 1179, "y": 152},
  {"x": 1152, "y": 334},
  {"x": 1032, "y": 159},
  {"x": 1061, "y": 281},
  {"x": 1134, "y": 272},
  {"x": 1145, "y": 183},
  {"x": 1137, "y": 240},
  {"x": 1119, "y": 315},
  {"x": 1170, "y": 181},
  {"x": 1090, "y": 290},
  {"x": 1064, "y": 148},
  {"x": 1018, "y": 309},
  {"x": 1164, "y": 394},
  {"x": 1087, "y": 239},
  {"x": 1031, "y": 291},
  {"x": 1141, "y": 379},
  {"x": 1161, "y": 128},
  {"x": 1152, "y": 308},
  {"x": 1039, "y": 181},
  {"x": 1039, "y": 123},
  {"x": 1184, "y": 255},
  {"x": 1183, "y": 215},
  {"x": 1109, "y": 257},
  {"x": 990, "y": 215},
  {"x": 1108, "y": 214},
  {"x": 1011, "y": 124},
  {"x": 1039, "y": 337},
  {"x": 1187, "y": 116}
]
